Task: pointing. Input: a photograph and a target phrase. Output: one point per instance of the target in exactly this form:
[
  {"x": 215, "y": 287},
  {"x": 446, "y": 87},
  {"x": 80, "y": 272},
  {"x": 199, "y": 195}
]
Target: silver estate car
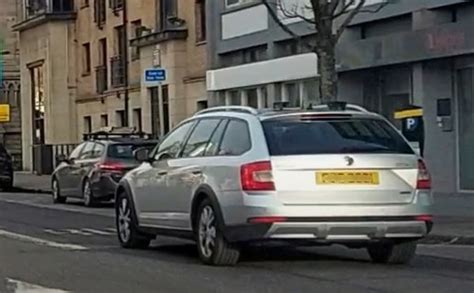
[{"x": 334, "y": 174}]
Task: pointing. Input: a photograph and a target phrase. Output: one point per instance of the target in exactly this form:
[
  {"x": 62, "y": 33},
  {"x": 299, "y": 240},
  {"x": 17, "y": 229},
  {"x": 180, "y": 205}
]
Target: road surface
[{"x": 70, "y": 248}]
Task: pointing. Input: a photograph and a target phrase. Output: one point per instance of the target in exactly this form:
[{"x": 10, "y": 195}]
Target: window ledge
[{"x": 201, "y": 43}]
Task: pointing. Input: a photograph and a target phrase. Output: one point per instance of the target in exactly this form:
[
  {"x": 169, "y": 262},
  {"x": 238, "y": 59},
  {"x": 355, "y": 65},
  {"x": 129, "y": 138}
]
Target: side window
[
  {"x": 98, "y": 150},
  {"x": 173, "y": 143},
  {"x": 236, "y": 140},
  {"x": 197, "y": 142},
  {"x": 87, "y": 151},
  {"x": 213, "y": 145},
  {"x": 76, "y": 152}
]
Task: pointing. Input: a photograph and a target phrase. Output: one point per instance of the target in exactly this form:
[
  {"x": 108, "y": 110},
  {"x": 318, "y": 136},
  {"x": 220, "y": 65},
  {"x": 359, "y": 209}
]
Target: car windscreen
[
  {"x": 126, "y": 151},
  {"x": 297, "y": 136}
]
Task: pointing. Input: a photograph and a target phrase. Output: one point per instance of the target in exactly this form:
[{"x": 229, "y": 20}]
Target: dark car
[
  {"x": 94, "y": 168},
  {"x": 6, "y": 169}
]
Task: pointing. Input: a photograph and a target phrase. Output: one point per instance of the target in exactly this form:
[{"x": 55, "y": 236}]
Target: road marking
[
  {"x": 23, "y": 287},
  {"x": 78, "y": 232},
  {"x": 114, "y": 230},
  {"x": 54, "y": 232},
  {"x": 98, "y": 232},
  {"x": 39, "y": 241}
]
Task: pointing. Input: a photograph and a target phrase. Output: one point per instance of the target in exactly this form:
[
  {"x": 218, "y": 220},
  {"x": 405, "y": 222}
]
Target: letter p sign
[{"x": 411, "y": 124}]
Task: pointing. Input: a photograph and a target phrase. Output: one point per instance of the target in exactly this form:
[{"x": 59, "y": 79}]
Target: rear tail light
[
  {"x": 424, "y": 177},
  {"x": 424, "y": 218},
  {"x": 111, "y": 167},
  {"x": 257, "y": 177}
]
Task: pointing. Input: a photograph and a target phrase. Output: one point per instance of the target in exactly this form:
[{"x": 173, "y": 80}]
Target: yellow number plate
[{"x": 359, "y": 177}]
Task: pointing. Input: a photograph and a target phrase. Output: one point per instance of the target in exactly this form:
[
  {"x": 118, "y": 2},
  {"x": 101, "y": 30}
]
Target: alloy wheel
[
  {"x": 124, "y": 220},
  {"x": 207, "y": 231},
  {"x": 55, "y": 190}
]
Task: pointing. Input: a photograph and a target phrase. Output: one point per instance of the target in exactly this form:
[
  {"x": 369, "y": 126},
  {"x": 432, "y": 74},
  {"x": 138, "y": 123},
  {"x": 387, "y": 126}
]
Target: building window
[
  {"x": 169, "y": 10},
  {"x": 117, "y": 62},
  {"x": 200, "y": 20},
  {"x": 38, "y": 99},
  {"x": 292, "y": 94},
  {"x": 255, "y": 54},
  {"x": 86, "y": 59},
  {"x": 87, "y": 124},
  {"x": 120, "y": 118},
  {"x": 166, "y": 108},
  {"x": 101, "y": 69},
  {"x": 116, "y": 4},
  {"x": 104, "y": 120},
  {"x": 100, "y": 12},
  {"x": 155, "y": 112},
  {"x": 252, "y": 98},
  {"x": 137, "y": 119},
  {"x": 136, "y": 33}
]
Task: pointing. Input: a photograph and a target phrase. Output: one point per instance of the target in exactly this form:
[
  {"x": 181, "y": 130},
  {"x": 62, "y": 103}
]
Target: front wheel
[
  {"x": 89, "y": 200},
  {"x": 400, "y": 253},
  {"x": 127, "y": 225},
  {"x": 57, "y": 197},
  {"x": 213, "y": 248}
]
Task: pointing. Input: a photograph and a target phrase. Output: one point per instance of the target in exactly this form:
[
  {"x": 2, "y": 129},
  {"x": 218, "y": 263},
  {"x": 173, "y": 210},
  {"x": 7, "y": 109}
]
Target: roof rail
[
  {"x": 116, "y": 132},
  {"x": 340, "y": 106},
  {"x": 239, "y": 109}
]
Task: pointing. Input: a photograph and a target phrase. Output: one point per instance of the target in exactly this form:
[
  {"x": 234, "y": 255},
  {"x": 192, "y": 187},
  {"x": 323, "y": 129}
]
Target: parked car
[
  {"x": 6, "y": 169},
  {"x": 95, "y": 167},
  {"x": 335, "y": 174}
]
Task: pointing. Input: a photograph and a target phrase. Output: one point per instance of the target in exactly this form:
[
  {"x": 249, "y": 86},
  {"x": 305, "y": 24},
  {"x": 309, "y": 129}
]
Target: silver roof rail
[
  {"x": 341, "y": 106},
  {"x": 239, "y": 109}
]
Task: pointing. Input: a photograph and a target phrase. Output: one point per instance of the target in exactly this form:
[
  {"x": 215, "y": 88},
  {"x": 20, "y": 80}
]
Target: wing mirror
[
  {"x": 142, "y": 155},
  {"x": 62, "y": 158}
]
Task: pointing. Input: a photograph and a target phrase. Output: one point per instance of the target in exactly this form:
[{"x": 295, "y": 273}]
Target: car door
[
  {"x": 63, "y": 172},
  {"x": 79, "y": 169},
  {"x": 186, "y": 173},
  {"x": 150, "y": 188}
]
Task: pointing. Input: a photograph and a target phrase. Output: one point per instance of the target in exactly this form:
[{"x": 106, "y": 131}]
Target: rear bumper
[
  {"x": 332, "y": 230},
  {"x": 104, "y": 187}
]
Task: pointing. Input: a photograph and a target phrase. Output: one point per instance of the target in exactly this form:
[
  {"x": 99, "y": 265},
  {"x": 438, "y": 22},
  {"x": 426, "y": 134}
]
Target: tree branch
[
  {"x": 349, "y": 19},
  {"x": 293, "y": 14},
  {"x": 285, "y": 28},
  {"x": 344, "y": 10}
]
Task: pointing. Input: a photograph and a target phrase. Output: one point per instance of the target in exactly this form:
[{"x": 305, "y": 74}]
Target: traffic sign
[
  {"x": 155, "y": 75},
  {"x": 4, "y": 113}
]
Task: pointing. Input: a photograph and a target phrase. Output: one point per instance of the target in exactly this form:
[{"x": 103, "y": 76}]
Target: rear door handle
[
  {"x": 196, "y": 172},
  {"x": 162, "y": 173}
]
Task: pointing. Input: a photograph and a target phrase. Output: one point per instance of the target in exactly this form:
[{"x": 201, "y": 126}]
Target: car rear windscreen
[
  {"x": 297, "y": 136},
  {"x": 126, "y": 151}
]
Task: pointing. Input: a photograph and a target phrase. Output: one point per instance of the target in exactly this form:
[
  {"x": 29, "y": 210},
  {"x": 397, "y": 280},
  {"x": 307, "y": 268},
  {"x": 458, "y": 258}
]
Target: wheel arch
[{"x": 202, "y": 193}]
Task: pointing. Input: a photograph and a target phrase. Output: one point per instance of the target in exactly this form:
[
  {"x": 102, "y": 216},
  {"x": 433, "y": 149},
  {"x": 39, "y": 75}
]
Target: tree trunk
[{"x": 328, "y": 73}]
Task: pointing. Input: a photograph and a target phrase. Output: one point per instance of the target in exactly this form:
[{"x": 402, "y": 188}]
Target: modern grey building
[{"x": 412, "y": 52}]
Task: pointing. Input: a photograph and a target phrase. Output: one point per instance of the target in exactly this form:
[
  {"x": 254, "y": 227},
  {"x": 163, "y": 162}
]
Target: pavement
[
  {"x": 71, "y": 248},
  {"x": 454, "y": 214}
]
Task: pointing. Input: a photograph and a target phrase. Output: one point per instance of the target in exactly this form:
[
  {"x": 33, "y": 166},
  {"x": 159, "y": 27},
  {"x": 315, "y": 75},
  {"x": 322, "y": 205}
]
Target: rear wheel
[
  {"x": 127, "y": 224},
  {"x": 89, "y": 200},
  {"x": 213, "y": 248},
  {"x": 57, "y": 197},
  {"x": 400, "y": 253}
]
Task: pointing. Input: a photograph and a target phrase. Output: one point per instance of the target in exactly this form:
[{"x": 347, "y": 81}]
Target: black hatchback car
[
  {"x": 6, "y": 169},
  {"x": 94, "y": 168}
]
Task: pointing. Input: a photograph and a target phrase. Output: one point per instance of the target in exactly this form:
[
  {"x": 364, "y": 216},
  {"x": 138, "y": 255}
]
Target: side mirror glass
[{"x": 142, "y": 155}]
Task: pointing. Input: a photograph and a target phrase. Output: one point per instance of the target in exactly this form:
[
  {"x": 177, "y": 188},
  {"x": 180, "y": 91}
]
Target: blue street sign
[{"x": 155, "y": 75}]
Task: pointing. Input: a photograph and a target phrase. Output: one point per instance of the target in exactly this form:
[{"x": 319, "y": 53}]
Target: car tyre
[
  {"x": 399, "y": 253},
  {"x": 127, "y": 225},
  {"x": 56, "y": 191},
  {"x": 87, "y": 194},
  {"x": 213, "y": 248}
]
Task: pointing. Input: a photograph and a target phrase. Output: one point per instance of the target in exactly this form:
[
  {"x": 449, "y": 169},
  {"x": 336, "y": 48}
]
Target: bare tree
[{"x": 329, "y": 19}]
